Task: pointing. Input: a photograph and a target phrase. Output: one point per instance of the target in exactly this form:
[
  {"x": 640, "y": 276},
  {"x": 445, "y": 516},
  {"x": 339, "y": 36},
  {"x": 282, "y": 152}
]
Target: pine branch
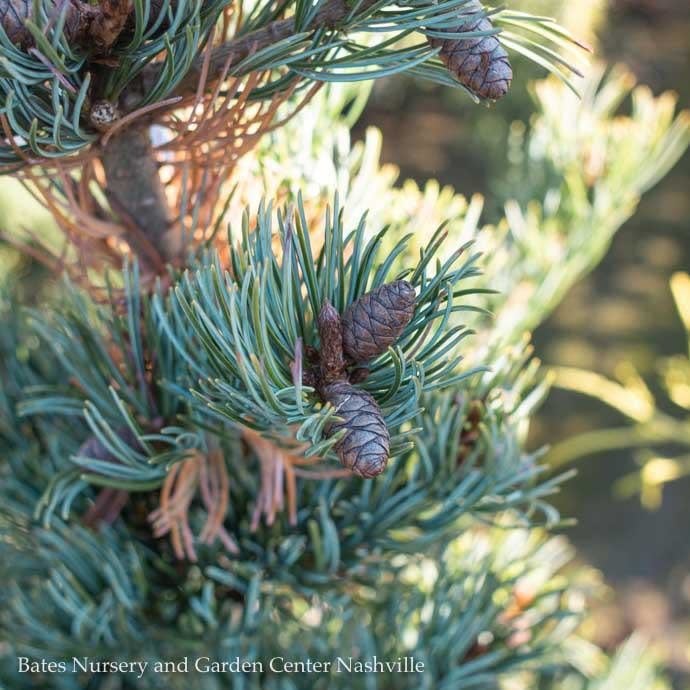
[
  {"x": 135, "y": 63},
  {"x": 233, "y": 52}
]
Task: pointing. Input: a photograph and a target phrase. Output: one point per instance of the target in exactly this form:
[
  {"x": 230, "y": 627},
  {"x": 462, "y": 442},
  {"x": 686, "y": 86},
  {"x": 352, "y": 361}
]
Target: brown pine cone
[
  {"x": 376, "y": 320},
  {"x": 480, "y": 64},
  {"x": 365, "y": 447}
]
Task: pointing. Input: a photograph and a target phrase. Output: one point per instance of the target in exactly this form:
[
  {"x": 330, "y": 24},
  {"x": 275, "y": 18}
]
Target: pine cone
[
  {"x": 480, "y": 64},
  {"x": 377, "y": 319},
  {"x": 365, "y": 447}
]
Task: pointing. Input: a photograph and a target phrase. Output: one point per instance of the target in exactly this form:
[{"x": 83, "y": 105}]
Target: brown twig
[{"x": 106, "y": 508}]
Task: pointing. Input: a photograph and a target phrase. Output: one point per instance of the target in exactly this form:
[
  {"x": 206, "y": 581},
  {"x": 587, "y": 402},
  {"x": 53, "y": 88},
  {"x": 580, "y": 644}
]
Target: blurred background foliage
[
  {"x": 560, "y": 189},
  {"x": 620, "y": 323}
]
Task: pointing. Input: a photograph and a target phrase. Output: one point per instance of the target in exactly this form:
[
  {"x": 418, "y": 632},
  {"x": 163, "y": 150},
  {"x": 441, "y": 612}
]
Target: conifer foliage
[{"x": 235, "y": 430}]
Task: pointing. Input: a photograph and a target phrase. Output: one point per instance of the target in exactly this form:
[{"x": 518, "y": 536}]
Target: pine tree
[{"x": 253, "y": 421}]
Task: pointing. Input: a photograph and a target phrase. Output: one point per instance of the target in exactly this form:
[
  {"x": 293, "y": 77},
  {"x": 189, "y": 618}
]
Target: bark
[
  {"x": 135, "y": 191},
  {"x": 94, "y": 28}
]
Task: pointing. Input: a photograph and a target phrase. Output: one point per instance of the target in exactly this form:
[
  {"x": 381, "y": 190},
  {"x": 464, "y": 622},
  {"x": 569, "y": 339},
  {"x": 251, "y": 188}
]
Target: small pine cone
[
  {"x": 480, "y": 64},
  {"x": 365, "y": 447},
  {"x": 377, "y": 319},
  {"x": 103, "y": 115}
]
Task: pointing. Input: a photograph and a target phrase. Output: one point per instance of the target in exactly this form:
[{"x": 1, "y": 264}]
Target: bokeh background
[{"x": 623, "y": 315}]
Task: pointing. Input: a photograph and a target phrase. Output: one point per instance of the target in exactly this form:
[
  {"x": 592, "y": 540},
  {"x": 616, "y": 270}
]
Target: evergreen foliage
[
  {"x": 56, "y": 93},
  {"x": 170, "y": 479}
]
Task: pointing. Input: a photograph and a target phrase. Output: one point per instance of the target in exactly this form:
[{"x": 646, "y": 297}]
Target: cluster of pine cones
[{"x": 367, "y": 328}]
